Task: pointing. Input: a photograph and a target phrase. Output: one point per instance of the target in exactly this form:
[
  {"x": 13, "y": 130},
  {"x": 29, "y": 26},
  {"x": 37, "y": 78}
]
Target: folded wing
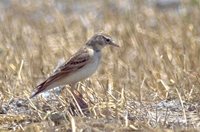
[{"x": 79, "y": 60}]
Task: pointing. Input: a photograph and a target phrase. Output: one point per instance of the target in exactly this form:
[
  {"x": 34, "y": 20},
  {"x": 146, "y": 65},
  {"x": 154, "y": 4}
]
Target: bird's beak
[{"x": 114, "y": 44}]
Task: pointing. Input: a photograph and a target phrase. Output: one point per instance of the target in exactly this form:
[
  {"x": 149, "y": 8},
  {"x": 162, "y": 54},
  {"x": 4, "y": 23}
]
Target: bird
[{"x": 80, "y": 66}]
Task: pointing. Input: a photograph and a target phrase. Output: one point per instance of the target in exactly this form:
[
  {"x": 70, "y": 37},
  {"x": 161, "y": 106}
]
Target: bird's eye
[{"x": 107, "y": 40}]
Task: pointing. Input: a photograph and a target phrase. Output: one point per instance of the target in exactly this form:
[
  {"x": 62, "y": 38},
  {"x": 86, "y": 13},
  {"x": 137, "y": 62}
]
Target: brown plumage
[{"x": 80, "y": 66}]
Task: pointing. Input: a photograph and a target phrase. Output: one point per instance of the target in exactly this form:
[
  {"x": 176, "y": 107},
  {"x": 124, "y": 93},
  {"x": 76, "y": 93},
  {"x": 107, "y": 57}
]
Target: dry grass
[{"x": 151, "y": 83}]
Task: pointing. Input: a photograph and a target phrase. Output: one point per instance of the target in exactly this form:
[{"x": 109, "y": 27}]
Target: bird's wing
[{"x": 80, "y": 59}]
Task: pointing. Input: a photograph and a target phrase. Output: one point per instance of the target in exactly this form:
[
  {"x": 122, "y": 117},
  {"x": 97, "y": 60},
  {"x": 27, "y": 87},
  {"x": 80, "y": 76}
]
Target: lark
[{"x": 80, "y": 66}]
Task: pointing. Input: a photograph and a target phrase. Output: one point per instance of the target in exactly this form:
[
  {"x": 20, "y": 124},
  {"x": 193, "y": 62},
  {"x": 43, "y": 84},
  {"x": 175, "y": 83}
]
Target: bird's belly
[{"x": 79, "y": 75}]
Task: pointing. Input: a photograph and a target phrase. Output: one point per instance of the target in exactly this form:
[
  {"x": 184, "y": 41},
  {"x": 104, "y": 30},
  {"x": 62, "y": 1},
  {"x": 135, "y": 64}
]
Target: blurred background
[{"x": 156, "y": 67}]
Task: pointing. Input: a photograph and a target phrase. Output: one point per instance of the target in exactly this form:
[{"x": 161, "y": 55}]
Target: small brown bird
[{"x": 80, "y": 66}]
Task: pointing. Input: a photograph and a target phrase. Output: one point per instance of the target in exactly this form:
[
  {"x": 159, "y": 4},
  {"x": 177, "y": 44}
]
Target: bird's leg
[
  {"x": 78, "y": 98},
  {"x": 75, "y": 91}
]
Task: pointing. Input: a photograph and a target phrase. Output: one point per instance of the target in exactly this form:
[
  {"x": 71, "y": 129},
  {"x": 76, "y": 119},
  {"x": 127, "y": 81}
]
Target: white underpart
[{"x": 80, "y": 74}]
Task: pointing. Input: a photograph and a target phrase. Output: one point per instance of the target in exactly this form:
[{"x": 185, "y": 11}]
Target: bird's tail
[{"x": 40, "y": 88}]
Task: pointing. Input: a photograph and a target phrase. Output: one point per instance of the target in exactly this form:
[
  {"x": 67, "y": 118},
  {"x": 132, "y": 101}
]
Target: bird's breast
[
  {"x": 91, "y": 67},
  {"x": 87, "y": 70}
]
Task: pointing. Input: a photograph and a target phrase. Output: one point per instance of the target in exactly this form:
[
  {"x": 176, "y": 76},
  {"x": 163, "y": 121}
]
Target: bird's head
[{"x": 98, "y": 41}]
